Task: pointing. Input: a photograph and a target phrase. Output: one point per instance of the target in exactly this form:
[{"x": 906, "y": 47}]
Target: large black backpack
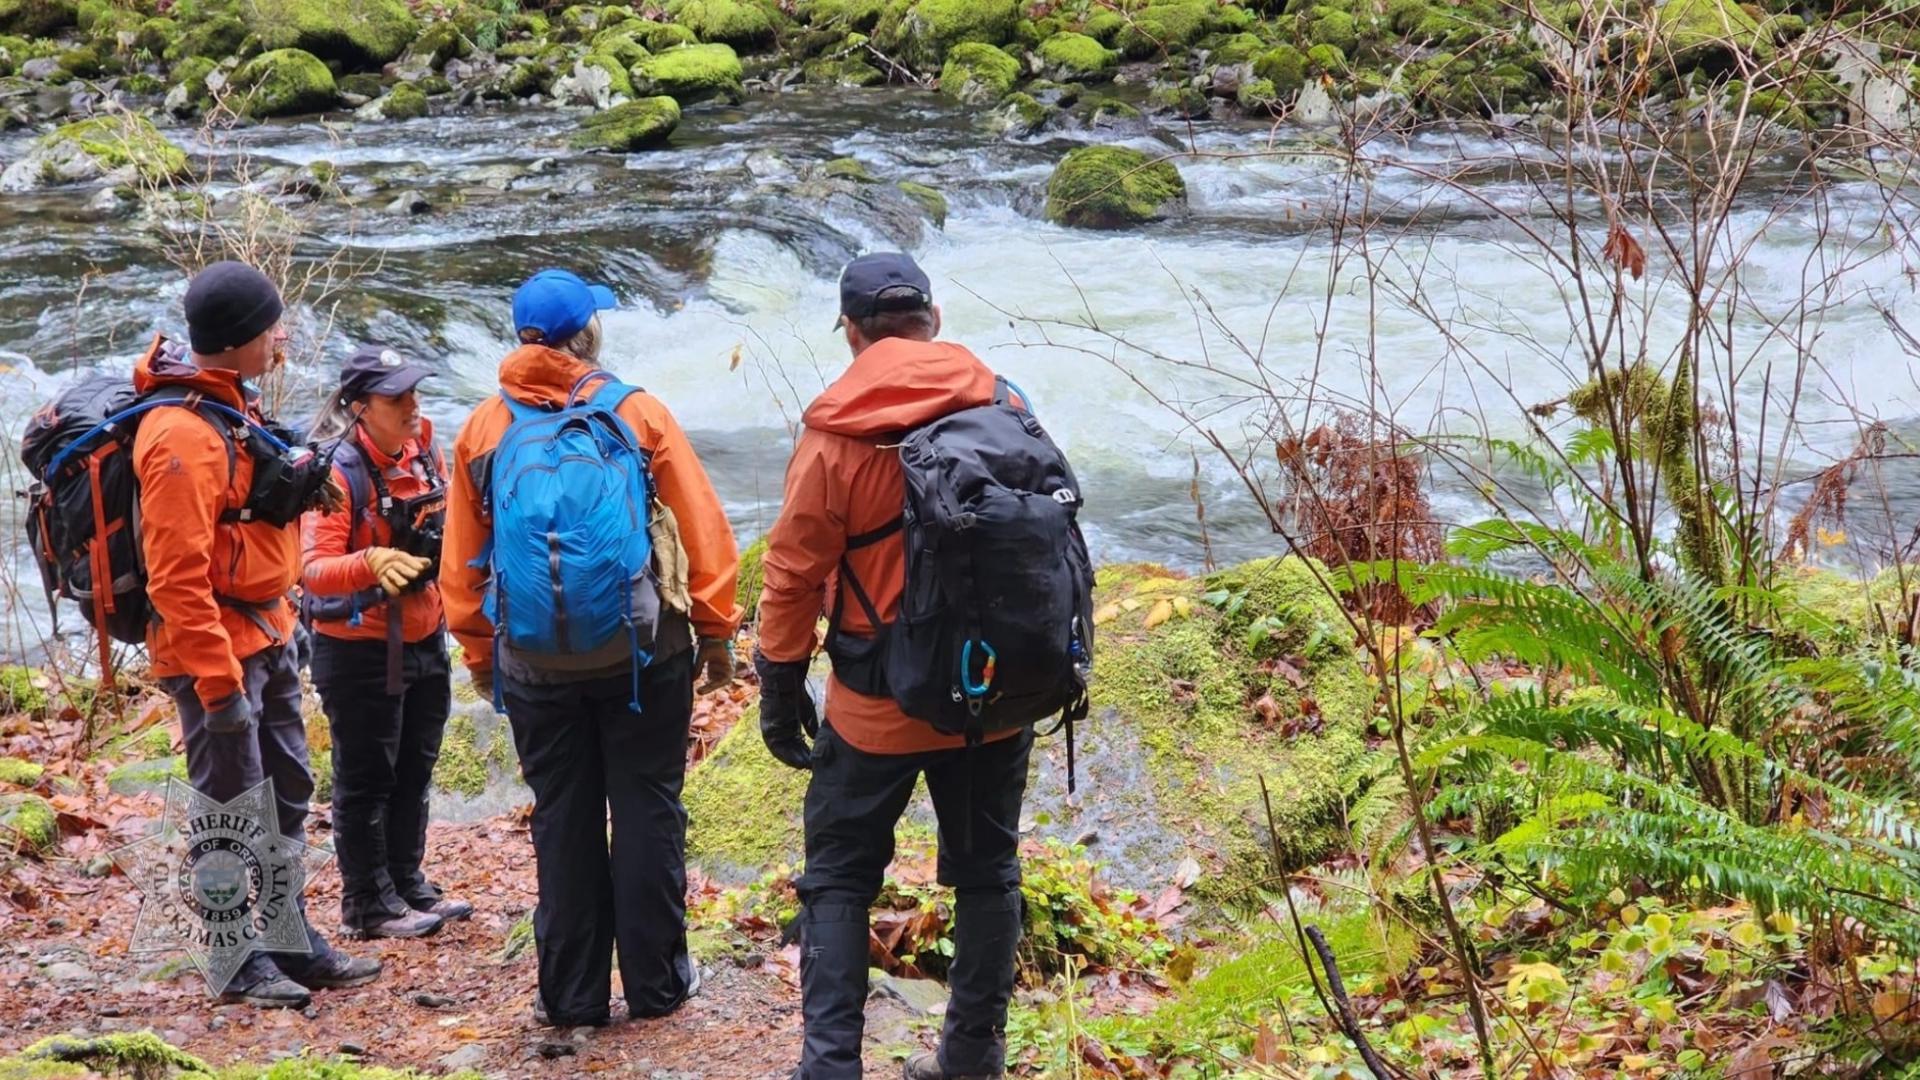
[
  {"x": 83, "y": 518},
  {"x": 995, "y": 626}
]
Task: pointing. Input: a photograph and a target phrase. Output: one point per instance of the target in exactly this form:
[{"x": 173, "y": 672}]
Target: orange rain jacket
[
  {"x": 336, "y": 552},
  {"x": 845, "y": 480},
  {"x": 195, "y": 560},
  {"x": 536, "y": 374}
]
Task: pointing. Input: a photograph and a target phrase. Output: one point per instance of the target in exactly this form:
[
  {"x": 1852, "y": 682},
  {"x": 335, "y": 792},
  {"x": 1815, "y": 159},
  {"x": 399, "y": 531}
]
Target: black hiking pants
[
  {"x": 384, "y": 750},
  {"x": 225, "y": 764},
  {"x": 854, "y": 800},
  {"x": 585, "y": 753}
]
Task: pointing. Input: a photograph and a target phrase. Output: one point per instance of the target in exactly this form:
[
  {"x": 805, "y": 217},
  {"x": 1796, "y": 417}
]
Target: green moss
[
  {"x": 134, "y": 1053},
  {"x": 1104, "y": 24},
  {"x": 1241, "y": 48},
  {"x": 1691, "y": 28},
  {"x": 462, "y": 768},
  {"x": 746, "y": 592},
  {"x": 617, "y": 76},
  {"x": 920, "y": 33},
  {"x": 1161, "y": 28},
  {"x": 1326, "y": 60},
  {"x": 524, "y": 79},
  {"x": 1077, "y": 57},
  {"x": 32, "y": 819},
  {"x": 1257, "y": 96},
  {"x": 1405, "y": 16},
  {"x": 36, "y": 18},
  {"x": 743, "y": 806},
  {"x": 848, "y": 168},
  {"x": 856, "y": 15},
  {"x": 1330, "y": 26},
  {"x": 978, "y": 74},
  {"x": 691, "y": 73},
  {"x": 146, "y": 777},
  {"x": 1781, "y": 108},
  {"x": 212, "y": 36},
  {"x": 1112, "y": 187},
  {"x": 359, "y": 33},
  {"x": 441, "y": 42},
  {"x": 742, "y": 24},
  {"x": 114, "y": 142},
  {"x": 659, "y": 36},
  {"x": 623, "y": 46},
  {"x": 404, "y": 102},
  {"x": 323, "y": 1068},
  {"x": 284, "y": 82},
  {"x": 192, "y": 73},
  {"x": 850, "y": 70},
  {"x": 1180, "y": 99},
  {"x": 16, "y": 771},
  {"x": 1021, "y": 114},
  {"x": 19, "y": 689},
  {"x": 364, "y": 84},
  {"x": 156, "y": 35},
  {"x": 1285, "y": 67},
  {"x": 635, "y": 125},
  {"x": 930, "y": 200}
]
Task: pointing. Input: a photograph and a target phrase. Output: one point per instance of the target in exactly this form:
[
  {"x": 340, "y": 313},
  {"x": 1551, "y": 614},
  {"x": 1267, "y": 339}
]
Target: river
[{"x": 727, "y": 283}]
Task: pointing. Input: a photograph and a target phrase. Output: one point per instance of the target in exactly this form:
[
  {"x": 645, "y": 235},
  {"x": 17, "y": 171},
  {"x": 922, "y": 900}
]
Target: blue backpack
[{"x": 571, "y": 562}]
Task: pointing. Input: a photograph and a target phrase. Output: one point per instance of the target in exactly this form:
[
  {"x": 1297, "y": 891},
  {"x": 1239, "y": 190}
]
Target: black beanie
[{"x": 229, "y": 304}]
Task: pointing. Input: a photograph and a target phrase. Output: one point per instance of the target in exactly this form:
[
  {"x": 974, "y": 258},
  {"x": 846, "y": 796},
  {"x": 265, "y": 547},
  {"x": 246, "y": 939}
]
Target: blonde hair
[{"x": 584, "y": 345}]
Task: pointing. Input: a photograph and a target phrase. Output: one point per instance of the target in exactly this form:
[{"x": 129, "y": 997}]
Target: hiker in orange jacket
[
  {"x": 379, "y": 642},
  {"x": 583, "y": 750},
  {"x": 843, "y": 502},
  {"x": 221, "y": 640}
]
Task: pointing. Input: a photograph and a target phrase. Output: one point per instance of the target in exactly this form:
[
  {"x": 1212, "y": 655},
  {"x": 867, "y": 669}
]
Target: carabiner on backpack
[{"x": 977, "y": 690}]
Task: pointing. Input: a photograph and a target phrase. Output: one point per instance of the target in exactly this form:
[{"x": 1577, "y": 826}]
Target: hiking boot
[
  {"x": 264, "y": 986},
  {"x": 447, "y": 908},
  {"x": 925, "y": 1065},
  {"x": 540, "y": 1017},
  {"x": 337, "y": 971},
  {"x": 413, "y": 924}
]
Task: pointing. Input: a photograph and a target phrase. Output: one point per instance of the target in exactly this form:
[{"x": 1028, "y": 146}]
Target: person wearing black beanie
[{"x": 222, "y": 642}]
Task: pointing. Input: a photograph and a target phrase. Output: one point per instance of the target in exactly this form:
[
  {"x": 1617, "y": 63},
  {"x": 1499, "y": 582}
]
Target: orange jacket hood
[
  {"x": 899, "y": 384},
  {"x": 168, "y": 363},
  {"x": 537, "y": 375}
]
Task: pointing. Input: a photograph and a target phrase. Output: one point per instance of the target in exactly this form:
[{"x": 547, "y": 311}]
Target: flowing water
[{"x": 726, "y": 271}]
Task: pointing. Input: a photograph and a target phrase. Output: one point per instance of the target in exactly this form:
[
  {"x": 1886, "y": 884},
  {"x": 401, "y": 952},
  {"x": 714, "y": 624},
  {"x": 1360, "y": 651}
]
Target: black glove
[
  {"x": 786, "y": 709},
  {"x": 232, "y": 717}
]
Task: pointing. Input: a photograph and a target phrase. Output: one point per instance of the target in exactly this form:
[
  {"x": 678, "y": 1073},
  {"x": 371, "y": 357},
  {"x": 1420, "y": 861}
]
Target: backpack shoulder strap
[
  {"x": 1006, "y": 391},
  {"x": 360, "y": 481},
  {"x": 218, "y": 417}
]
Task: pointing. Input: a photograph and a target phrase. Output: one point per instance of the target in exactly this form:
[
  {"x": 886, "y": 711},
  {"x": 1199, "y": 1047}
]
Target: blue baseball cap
[{"x": 554, "y": 305}]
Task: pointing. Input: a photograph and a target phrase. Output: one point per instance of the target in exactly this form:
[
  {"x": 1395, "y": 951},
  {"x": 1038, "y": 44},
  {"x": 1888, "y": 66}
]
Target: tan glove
[
  {"x": 715, "y": 662},
  {"x": 394, "y": 569}
]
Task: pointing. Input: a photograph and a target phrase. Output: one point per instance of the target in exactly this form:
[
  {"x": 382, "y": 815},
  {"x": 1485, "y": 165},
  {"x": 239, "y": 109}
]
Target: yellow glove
[{"x": 394, "y": 569}]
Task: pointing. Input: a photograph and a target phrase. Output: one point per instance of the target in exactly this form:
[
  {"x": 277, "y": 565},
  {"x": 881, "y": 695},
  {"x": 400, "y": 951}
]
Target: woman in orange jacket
[{"x": 379, "y": 650}]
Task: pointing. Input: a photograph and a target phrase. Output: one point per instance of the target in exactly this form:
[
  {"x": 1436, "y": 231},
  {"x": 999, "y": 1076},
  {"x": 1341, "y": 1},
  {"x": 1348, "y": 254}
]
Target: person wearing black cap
[
  {"x": 840, "y": 522},
  {"x": 218, "y": 581},
  {"x": 379, "y": 650}
]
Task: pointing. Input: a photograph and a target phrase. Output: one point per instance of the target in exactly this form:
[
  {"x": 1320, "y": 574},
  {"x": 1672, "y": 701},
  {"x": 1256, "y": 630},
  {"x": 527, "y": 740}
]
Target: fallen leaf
[
  {"x": 1161, "y": 612},
  {"x": 1266, "y": 1046},
  {"x": 1106, "y": 614},
  {"x": 1267, "y": 709}
]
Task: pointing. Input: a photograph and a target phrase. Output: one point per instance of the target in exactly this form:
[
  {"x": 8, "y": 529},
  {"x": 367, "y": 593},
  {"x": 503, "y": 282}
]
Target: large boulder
[
  {"x": 743, "y": 24},
  {"x": 1194, "y": 703},
  {"x": 690, "y": 73},
  {"x": 1169, "y": 27},
  {"x": 1112, "y": 187},
  {"x": 978, "y": 74},
  {"x": 121, "y": 148},
  {"x": 284, "y": 82},
  {"x": 357, "y": 33},
  {"x": 404, "y": 102},
  {"x": 36, "y": 18},
  {"x": 1698, "y": 29},
  {"x": 920, "y": 33},
  {"x": 635, "y": 125},
  {"x": 1072, "y": 57}
]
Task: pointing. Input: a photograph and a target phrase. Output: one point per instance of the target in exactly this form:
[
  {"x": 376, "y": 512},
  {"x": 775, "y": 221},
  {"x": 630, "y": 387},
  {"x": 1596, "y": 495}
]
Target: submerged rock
[
  {"x": 123, "y": 148},
  {"x": 978, "y": 74},
  {"x": 930, "y": 200},
  {"x": 359, "y": 33},
  {"x": 636, "y": 125},
  {"x": 920, "y": 33},
  {"x": 691, "y": 73},
  {"x": 1112, "y": 187},
  {"x": 284, "y": 82}
]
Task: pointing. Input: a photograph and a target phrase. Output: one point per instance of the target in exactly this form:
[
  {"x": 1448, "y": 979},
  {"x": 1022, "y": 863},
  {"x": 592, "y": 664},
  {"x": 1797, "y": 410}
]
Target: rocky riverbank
[{"x": 636, "y": 75}]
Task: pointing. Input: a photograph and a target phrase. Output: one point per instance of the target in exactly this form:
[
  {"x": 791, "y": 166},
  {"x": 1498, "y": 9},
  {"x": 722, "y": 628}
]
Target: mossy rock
[
  {"x": 660, "y": 36},
  {"x": 848, "y": 168},
  {"x": 120, "y": 146},
  {"x": 743, "y": 806},
  {"x": 434, "y": 86},
  {"x": 930, "y": 200},
  {"x": 623, "y": 49},
  {"x": 1241, "y": 48},
  {"x": 691, "y": 73},
  {"x": 88, "y": 62},
  {"x": 20, "y": 690},
  {"x": 404, "y": 102},
  {"x": 1165, "y": 28},
  {"x": 1104, "y": 25},
  {"x": 1331, "y": 26},
  {"x": 212, "y": 37},
  {"x": 156, "y": 35},
  {"x": 1020, "y": 115},
  {"x": 19, "y": 772},
  {"x": 363, "y": 84},
  {"x": 1182, "y": 100},
  {"x": 357, "y": 33},
  {"x": 852, "y": 71},
  {"x": 920, "y": 33},
  {"x": 473, "y": 755},
  {"x": 746, "y": 590},
  {"x": 37, "y": 18},
  {"x": 618, "y": 79},
  {"x": 1257, "y": 96},
  {"x": 1326, "y": 59},
  {"x": 635, "y": 125},
  {"x": 1695, "y": 30},
  {"x": 191, "y": 76},
  {"x": 284, "y": 82},
  {"x": 1112, "y": 187},
  {"x": 146, "y": 777},
  {"x": 31, "y": 821},
  {"x": 441, "y": 42},
  {"x": 524, "y": 79},
  {"x": 134, "y": 1053},
  {"x": 978, "y": 74},
  {"x": 743, "y": 24},
  {"x": 860, "y": 16},
  {"x": 1285, "y": 67},
  {"x": 1075, "y": 57}
]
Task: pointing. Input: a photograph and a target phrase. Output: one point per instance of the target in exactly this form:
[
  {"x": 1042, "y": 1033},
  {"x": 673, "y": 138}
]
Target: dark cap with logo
[
  {"x": 229, "y": 304},
  {"x": 376, "y": 369},
  {"x": 884, "y": 281}
]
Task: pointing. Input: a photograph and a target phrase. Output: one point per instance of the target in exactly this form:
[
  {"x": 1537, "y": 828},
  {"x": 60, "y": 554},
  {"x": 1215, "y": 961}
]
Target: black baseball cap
[
  {"x": 883, "y": 281},
  {"x": 229, "y": 304},
  {"x": 377, "y": 369}
]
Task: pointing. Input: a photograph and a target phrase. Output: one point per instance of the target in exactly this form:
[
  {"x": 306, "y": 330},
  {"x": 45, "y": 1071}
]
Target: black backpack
[
  {"x": 995, "y": 627},
  {"x": 83, "y": 517}
]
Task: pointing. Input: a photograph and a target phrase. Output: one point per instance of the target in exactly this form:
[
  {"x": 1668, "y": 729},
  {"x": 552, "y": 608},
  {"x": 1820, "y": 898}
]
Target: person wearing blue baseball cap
[{"x": 591, "y": 658}]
